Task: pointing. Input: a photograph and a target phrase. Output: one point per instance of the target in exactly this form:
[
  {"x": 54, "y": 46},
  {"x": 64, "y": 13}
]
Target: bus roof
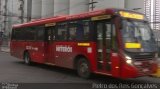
[{"x": 70, "y": 17}]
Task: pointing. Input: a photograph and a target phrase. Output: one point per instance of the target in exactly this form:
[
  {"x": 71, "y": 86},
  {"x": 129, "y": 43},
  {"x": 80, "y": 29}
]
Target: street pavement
[
  {"x": 13, "y": 70},
  {"x": 5, "y": 49}
]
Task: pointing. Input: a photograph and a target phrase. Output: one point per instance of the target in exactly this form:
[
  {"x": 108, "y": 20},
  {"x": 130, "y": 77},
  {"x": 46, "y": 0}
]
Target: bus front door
[
  {"x": 105, "y": 40},
  {"x": 50, "y": 37}
]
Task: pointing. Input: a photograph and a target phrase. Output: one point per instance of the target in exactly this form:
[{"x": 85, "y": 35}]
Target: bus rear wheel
[
  {"x": 83, "y": 68},
  {"x": 27, "y": 59}
]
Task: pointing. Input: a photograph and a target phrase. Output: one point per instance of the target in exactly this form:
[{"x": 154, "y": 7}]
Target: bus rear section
[
  {"x": 28, "y": 42},
  {"x": 110, "y": 42}
]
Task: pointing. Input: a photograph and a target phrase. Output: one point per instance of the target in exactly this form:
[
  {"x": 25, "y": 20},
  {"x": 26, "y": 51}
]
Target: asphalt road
[{"x": 13, "y": 70}]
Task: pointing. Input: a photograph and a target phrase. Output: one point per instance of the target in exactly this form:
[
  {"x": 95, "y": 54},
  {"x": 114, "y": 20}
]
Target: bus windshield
[{"x": 137, "y": 36}]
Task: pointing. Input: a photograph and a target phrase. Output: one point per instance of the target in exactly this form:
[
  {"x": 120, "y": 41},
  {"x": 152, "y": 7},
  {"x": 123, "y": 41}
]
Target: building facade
[{"x": 20, "y": 11}]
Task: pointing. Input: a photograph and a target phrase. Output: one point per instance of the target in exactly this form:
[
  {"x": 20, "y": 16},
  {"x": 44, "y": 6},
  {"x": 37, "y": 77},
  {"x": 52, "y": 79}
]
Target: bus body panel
[
  {"x": 66, "y": 52},
  {"x": 17, "y": 48},
  {"x": 35, "y": 50},
  {"x": 115, "y": 59},
  {"x": 50, "y": 53}
]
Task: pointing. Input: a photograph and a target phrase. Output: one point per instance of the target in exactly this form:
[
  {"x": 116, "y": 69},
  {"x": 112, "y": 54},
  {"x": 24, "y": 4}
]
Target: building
[
  {"x": 19, "y": 11},
  {"x": 152, "y": 11}
]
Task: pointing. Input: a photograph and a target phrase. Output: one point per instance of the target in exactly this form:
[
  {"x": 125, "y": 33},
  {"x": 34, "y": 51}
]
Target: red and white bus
[{"x": 113, "y": 42}]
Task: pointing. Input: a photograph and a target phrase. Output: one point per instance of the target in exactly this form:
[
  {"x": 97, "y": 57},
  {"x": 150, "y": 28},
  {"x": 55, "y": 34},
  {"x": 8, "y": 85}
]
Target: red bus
[{"x": 114, "y": 42}]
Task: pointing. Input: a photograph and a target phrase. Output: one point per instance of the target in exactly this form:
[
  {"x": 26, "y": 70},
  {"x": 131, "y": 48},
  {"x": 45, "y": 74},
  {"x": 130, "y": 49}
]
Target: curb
[{"x": 5, "y": 49}]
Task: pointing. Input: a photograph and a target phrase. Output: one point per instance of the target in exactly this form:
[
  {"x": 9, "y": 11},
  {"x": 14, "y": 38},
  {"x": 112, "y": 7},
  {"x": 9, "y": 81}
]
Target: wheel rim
[{"x": 83, "y": 69}]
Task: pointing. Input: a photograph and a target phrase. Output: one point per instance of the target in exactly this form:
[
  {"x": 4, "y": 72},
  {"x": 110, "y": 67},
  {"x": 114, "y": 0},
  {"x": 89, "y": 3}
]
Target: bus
[{"x": 112, "y": 42}]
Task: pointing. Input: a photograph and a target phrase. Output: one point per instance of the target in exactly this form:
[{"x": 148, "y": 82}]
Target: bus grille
[
  {"x": 151, "y": 56},
  {"x": 145, "y": 64}
]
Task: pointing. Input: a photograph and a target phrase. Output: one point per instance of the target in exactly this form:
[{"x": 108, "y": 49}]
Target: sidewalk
[{"x": 4, "y": 49}]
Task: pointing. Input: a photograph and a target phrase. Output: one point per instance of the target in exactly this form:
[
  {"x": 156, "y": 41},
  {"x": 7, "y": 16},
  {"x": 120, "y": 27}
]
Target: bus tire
[
  {"x": 27, "y": 59},
  {"x": 83, "y": 69}
]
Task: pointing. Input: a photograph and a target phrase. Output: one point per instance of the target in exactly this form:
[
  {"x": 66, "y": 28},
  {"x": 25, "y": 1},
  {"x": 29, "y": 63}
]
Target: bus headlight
[
  {"x": 129, "y": 61},
  {"x": 128, "y": 58}
]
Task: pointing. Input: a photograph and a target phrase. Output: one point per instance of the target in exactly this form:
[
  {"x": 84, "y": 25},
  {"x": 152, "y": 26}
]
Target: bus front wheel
[
  {"x": 27, "y": 59},
  {"x": 83, "y": 68}
]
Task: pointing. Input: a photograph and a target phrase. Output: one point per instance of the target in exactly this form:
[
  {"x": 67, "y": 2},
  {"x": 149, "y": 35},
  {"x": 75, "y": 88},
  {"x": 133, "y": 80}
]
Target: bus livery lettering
[
  {"x": 62, "y": 48},
  {"x": 31, "y": 48}
]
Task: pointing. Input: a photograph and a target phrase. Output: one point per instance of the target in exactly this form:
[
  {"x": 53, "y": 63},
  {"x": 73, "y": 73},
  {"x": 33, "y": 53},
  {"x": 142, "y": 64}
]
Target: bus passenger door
[
  {"x": 105, "y": 41},
  {"x": 50, "y": 38}
]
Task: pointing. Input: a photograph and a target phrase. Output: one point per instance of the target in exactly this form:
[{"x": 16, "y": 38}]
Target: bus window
[
  {"x": 30, "y": 34},
  {"x": 62, "y": 32},
  {"x": 83, "y": 31},
  {"x": 108, "y": 35},
  {"x": 72, "y": 33},
  {"x": 50, "y": 33},
  {"x": 73, "y": 27},
  {"x": 86, "y": 30},
  {"x": 40, "y": 34},
  {"x": 106, "y": 41},
  {"x": 13, "y": 36},
  {"x": 18, "y": 34}
]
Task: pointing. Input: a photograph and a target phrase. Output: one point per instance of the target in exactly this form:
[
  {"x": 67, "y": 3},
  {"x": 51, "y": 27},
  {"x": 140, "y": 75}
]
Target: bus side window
[
  {"x": 19, "y": 35},
  {"x": 31, "y": 33},
  {"x": 73, "y": 30},
  {"x": 83, "y": 31},
  {"x": 13, "y": 36},
  {"x": 86, "y": 31},
  {"x": 40, "y": 34},
  {"x": 72, "y": 33},
  {"x": 62, "y": 32}
]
